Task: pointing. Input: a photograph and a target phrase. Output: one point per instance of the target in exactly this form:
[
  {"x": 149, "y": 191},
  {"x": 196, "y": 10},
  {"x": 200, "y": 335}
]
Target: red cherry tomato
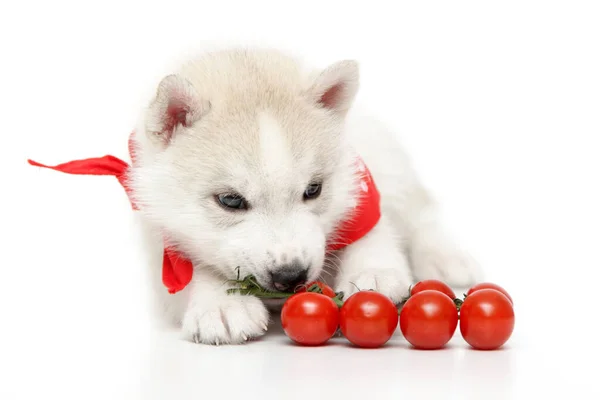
[
  {"x": 309, "y": 318},
  {"x": 487, "y": 319},
  {"x": 428, "y": 319},
  {"x": 488, "y": 285},
  {"x": 368, "y": 319},
  {"x": 326, "y": 290},
  {"x": 433, "y": 284}
]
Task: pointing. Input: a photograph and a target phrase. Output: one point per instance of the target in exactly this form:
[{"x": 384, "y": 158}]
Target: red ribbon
[{"x": 177, "y": 270}]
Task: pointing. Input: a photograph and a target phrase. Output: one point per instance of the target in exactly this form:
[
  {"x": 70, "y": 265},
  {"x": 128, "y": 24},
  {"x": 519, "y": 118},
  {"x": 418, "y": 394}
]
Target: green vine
[{"x": 250, "y": 286}]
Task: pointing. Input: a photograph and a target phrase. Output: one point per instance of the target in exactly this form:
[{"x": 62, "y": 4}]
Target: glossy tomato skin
[
  {"x": 489, "y": 285},
  {"x": 310, "y": 319},
  {"x": 428, "y": 320},
  {"x": 433, "y": 284},
  {"x": 368, "y": 319},
  {"x": 325, "y": 289},
  {"x": 487, "y": 319}
]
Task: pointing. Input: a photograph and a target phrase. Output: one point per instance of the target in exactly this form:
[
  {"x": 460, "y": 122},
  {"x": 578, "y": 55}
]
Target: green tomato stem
[
  {"x": 265, "y": 294},
  {"x": 249, "y": 286}
]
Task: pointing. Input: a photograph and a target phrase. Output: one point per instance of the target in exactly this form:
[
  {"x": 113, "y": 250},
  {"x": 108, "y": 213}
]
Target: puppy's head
[{"x": 243, "y": 164}]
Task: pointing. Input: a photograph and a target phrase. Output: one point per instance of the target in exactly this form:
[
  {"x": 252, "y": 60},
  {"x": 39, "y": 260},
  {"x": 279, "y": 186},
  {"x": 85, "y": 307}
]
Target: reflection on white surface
[
  {"x": 276, "y": 365},
  {"x": 276, "y": 368}
]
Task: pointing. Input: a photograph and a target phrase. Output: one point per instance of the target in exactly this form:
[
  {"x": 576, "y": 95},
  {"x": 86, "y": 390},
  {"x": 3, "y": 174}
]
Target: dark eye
[
  {"x": 232, "y": 201},
  {"x": 312, "y": 191}
]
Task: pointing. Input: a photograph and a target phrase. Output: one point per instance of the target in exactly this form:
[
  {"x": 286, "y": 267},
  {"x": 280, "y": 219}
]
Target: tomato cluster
[
  {"x": 428, "y": 318},
  {"x": 313, "y": 315}
]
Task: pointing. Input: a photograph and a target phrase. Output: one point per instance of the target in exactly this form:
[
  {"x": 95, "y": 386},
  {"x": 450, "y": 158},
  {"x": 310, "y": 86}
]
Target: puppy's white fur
[{"x": 256, "y": 123}]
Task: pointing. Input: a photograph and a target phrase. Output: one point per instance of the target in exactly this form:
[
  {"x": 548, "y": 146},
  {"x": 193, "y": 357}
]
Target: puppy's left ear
[{"x": 336, "y": 86}]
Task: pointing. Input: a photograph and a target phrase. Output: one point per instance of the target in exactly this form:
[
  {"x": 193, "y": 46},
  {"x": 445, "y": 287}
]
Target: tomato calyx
[
  {"x": 314, "y": 288},
  {"x": 458, "y": 302}
]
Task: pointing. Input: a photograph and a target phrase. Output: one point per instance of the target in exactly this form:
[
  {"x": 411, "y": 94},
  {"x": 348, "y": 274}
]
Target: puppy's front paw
[
  {"x": 443, "y": 261},
  {"x": 389, "y": 282},
  {"x": 228, "y": 319}
]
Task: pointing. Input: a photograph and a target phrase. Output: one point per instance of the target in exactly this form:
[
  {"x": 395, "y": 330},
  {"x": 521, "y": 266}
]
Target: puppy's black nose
[{"x": 288, "y": 277}]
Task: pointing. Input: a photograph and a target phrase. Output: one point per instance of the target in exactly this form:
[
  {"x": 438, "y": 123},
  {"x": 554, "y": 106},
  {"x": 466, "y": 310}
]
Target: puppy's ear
[
  {"x": 177, "y": 104},
  {"x": 336, "y": 86}
]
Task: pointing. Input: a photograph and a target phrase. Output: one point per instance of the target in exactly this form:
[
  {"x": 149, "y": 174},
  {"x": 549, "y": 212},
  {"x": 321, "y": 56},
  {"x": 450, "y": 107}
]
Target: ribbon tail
[
  {"x": 99, "y": 166},
  {"x": 177, "y": 271},
  {"x": 107, "y": 165}
]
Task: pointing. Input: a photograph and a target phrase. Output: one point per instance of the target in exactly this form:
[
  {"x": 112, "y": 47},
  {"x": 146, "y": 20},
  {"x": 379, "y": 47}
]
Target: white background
[{"x": 498, "y": 103}]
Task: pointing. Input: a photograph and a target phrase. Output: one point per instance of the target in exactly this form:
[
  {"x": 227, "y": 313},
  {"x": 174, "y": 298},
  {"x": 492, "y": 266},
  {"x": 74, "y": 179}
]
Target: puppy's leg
[
  {"x": 433, "y": 253},
  {"x": 375, "y": 262},
  {"x": 215, "y": 317}
]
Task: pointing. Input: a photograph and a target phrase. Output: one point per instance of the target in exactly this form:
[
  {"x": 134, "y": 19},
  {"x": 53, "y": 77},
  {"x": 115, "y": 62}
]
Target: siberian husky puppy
[{"x": 248, "y": 162}]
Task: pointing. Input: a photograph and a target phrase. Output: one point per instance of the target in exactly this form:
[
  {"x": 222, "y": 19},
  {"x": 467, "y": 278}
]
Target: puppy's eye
[
  {"x": 312, "y": 191},
  {"x": 232, "y": 201}
]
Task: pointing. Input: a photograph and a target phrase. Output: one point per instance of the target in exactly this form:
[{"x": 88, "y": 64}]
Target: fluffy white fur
[{"x": 257, "y": 123}]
